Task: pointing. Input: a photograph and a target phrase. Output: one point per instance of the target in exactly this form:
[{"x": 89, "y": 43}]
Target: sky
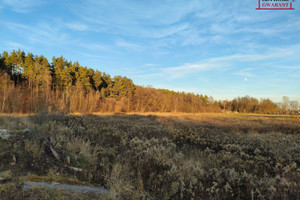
[{"x": 222, "y": 49}]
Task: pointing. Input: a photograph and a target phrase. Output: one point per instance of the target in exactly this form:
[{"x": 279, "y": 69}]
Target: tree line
[{"x": 30, "y": 83}]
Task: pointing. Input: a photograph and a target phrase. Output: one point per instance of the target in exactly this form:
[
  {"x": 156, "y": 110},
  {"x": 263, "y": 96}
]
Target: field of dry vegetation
[{"x": 175, "y": 156}]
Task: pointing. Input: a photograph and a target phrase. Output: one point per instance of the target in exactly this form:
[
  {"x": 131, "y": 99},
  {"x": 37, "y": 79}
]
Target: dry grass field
[{"x": 152, "y": 156}]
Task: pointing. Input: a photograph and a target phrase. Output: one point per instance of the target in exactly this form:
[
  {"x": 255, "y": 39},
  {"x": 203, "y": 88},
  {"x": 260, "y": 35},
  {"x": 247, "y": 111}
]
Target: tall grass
[{"x": 167, "y": 157}]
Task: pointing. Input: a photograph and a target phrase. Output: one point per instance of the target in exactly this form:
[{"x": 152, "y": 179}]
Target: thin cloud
[
  {"x": 128, "y": 45},
  {"x": 42, "y": 33},
  {"x": 292, "y": 67},
  {"x": 23, "y": 6},
  {"x": 226, "y": 62},
  {"x": 94, "y": 46},
  {"x": 150, "y": 65},
  {"x": 77, "y": 26},
  {"x": 93, "y": 56},
  {"x": 162, "y": 32},
  {"x": 15, "y": 45},
  {"x": 187, "y": 69},
  {"x": 47, "y": 34},
  {"x": 15, "y": 26},
  {"x": 245, "y": 73},
  {"x": 148, "y": 20},
  {"x": 135, "y": 12},
  {"x": 181, "y": 23}
]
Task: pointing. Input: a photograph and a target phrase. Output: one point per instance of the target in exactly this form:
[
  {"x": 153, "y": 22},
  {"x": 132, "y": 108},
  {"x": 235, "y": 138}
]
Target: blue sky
[{"x": 220, "y": 48}]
